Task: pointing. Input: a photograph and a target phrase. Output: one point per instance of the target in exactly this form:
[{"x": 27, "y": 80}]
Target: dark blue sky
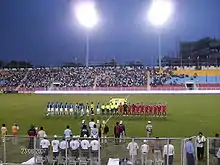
[{"x": 44, "y": 32}]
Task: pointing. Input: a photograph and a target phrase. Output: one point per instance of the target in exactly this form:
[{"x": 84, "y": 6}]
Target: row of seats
[
  {"x": 197, "y": 79},
  {"x": 198, "y": 72}
]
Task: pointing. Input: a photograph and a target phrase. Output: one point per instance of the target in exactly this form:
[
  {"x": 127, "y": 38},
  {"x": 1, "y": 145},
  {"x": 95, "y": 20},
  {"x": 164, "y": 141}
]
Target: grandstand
[{"x": 108, "y": 77}]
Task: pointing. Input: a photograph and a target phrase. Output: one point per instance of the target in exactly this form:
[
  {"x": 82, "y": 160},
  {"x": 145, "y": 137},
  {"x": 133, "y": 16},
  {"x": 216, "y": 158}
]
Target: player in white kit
[
  {"x": 52, "y": 108},
  {"x": 61, "y": 108},
  {"x": 48, "y": 108},
  {"x": 82, "y": 110},
  {"x": 66, "y": 112},
  {"x": 87, "y": 109},
  {"x": 57, "y": 108},
  {"x": 98, "y": 109},
  {"x": 71, "y": 110}
]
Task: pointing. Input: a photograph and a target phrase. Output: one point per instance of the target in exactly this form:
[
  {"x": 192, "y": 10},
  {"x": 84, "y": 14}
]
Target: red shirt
[
  {"x": 164, "y": 108},
  {"x": 142, "y": 108},
  {"x": 146, "y": 108},
  {"x": 120, "y": 107},
  {"x": 129, "y": 108},
  {"x": 159, "y": 108},
  {"x": 155, "y": 108},
  {"x": 150, "y": 108},
  {"x": 136, "y": 108}
]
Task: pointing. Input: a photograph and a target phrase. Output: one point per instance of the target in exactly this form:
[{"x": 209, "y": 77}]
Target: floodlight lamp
[
  {"x": 86, "y": 14},
  {"x": 160, "y": 11}
]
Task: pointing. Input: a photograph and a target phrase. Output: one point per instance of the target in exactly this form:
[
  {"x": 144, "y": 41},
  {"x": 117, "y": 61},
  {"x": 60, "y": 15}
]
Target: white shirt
[
  {"x": 91, "y": 124},
  {"x": 74, "y": 144},
  {"x": 94, "y": 133},
  {"x": 133, "y": 148},
  {"x": 4, "y": 129},
  {"x": 200, "y": 141},
  {"x": 144, "y": 148},
  {"x": 95, "y": 145},
  {"x": 149, "y": 128},
  {"x": 218, "y": 153},
  {"x": 55, "y": 145},
  {"x": 44, "y": 143},
  {"x": 63, "y": 145},
  {"x": 85, "y": 144},
  {"x": 170, "y": 150},
  {"x": 67, "y": 133},
  {"x": 41, "y": 134}
]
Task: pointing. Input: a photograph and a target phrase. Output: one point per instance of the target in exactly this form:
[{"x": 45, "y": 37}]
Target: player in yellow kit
[{"x": 92, "y": 108}]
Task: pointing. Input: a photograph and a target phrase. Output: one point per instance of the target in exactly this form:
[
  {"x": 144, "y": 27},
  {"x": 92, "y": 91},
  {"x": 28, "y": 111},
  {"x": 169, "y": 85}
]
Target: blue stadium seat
[{"x": 199, "y": 80}]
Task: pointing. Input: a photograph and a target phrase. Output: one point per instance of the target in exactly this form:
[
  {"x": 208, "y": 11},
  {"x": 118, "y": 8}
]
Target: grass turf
[{"x": 187, "y": 114}]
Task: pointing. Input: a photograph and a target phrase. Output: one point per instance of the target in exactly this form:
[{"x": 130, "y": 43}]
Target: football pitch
[{"x": 187, "y": 114}]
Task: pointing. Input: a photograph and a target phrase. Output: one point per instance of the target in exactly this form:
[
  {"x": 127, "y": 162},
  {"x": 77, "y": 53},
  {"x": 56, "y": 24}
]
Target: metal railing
[{"x": 20, "y": 149}]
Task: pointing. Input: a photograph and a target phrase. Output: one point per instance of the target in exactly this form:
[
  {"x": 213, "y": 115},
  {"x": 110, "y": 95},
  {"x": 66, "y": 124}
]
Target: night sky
[{"x": 45, "y": 32}]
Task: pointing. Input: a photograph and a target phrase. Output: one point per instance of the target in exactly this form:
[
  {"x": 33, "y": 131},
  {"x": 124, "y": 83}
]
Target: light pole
[
  {"x": 87, "y": 16},
  {"x": 158, "y": 14}
]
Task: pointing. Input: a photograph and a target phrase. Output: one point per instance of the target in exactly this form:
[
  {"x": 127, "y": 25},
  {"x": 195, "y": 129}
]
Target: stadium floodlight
[
  {"x": 158, "y": 14},
  {"x": 87, "y": 16}
]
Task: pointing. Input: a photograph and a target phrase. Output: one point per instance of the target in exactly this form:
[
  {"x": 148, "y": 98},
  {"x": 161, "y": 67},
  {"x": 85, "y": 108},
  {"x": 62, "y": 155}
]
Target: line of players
[{"x": 80, "y": 109}]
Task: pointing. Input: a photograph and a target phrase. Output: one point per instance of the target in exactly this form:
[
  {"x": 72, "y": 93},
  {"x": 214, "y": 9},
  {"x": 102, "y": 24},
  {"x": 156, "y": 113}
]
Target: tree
[
  {"x": 1, "y": 64},
  {"x": 18, "y": 64}
]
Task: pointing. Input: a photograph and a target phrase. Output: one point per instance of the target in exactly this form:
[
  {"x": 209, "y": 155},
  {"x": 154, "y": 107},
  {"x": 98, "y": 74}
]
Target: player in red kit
[
  {"x": 133, "y": 109},
  {"x": 155, "y": 110},
  {"x": 150, "y": 110},
  {"x": 120, "y": 109},
  {"x": 159, "y": 108},
  {"x": 136, "y": 109},
  {"x": 139, "y": 109},
  {"x": 164, "y": 110},
  {"x": 142, "y": 109},
  {"x": 129, "y": 109},
  {"x": 146, "y": 110}
]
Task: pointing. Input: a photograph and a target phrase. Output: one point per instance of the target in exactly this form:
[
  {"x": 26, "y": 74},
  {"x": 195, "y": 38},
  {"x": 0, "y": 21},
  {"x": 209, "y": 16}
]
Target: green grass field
[{"x": 187, "y": 114}]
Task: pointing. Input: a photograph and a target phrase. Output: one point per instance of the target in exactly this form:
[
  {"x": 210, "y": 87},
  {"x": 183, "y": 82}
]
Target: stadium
[{"x": 143, "y": 115}]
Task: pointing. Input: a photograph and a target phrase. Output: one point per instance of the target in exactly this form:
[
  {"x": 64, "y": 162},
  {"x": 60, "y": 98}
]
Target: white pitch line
[{"x": 108, "y": 118}]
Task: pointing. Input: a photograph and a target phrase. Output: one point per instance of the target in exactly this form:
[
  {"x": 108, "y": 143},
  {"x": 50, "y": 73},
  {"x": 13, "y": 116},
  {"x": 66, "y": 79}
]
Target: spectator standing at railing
[
  {"x": 104, "y": 131},
  {"x": 133, "y": 151},
  {"x": 168, "y": 153},
  {"x": 218, "y": 155},
  {"x": 157, "y": 150},
  {"x": 144, "y": 152},
  {"x": 190, "y": 152},
  {"x": 63, "y": 148},
  {"x": 74, "y": 146},
  {"x": 200, "y": 142},
  {"x": 55, "y": 147},
  {"x": 14, "y": 130},
  {"x": 32, "y": 133},
  {"x": 45, "y": 144}
]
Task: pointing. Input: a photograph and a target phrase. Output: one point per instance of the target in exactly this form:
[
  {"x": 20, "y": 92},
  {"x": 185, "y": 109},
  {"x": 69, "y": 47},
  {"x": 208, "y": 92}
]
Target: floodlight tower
[
  {"x": 87, "y": 16},
  {"x": 158, "y": 14}
]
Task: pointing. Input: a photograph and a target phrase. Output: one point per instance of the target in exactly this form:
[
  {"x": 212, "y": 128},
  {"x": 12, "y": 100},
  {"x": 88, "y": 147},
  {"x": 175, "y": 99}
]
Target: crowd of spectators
[
  {"x": 75, "y": 77},
  {"x": 12, "y": 78}
]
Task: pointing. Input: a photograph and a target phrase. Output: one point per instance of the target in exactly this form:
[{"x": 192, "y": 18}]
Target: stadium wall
[
  {"x": 142, "y": 88},
  {"x": 132, "y": 92}
]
